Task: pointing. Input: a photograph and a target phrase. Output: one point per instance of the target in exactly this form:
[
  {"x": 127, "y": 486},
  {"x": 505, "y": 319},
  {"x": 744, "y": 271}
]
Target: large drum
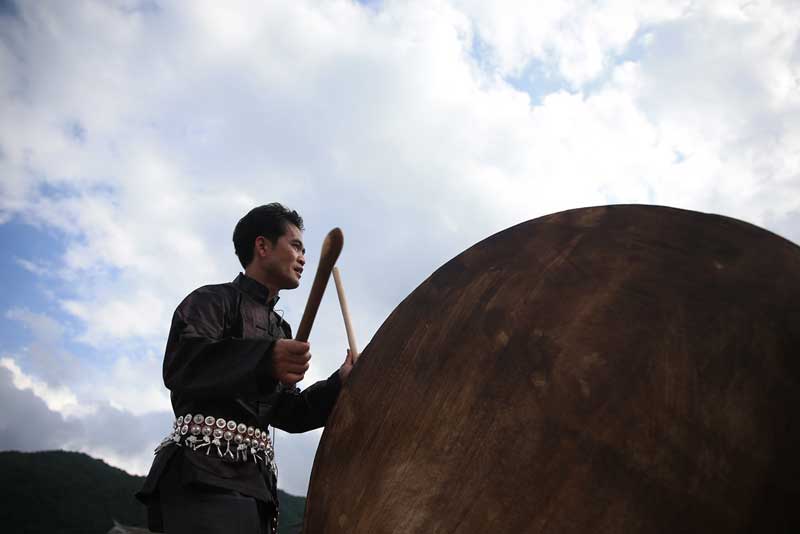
[{"x": 617, "y": 369}]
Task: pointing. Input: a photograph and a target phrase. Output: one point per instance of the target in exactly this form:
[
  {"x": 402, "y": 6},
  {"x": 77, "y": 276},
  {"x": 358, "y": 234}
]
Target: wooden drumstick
[
  {"x": 331, "y": 248},
  {"x": 348, "y": 326}
]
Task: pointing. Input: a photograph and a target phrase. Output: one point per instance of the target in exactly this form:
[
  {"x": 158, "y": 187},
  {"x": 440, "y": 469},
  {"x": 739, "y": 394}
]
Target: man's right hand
[{"x": 290, "y": 360}]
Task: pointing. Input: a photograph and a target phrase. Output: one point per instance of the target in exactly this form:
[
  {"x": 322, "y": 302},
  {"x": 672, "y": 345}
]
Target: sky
[{"x": 135, "y": 133}]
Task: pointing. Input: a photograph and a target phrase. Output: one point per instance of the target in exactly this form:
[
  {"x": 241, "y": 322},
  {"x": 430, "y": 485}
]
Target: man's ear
[{"x": 262, "y": 246}]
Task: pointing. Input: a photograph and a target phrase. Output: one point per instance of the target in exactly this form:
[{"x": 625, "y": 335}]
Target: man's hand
[
  {"x": 347, "y": 366},
  {"x": 290, "y": 360}
]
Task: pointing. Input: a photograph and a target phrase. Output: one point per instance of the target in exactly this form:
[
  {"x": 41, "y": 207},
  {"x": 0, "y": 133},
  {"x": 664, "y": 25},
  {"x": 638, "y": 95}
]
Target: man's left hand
[{"x": 347, "y": 366}]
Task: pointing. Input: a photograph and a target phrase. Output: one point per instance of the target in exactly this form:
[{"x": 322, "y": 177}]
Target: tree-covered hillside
[{"x": 59, "y": 492}]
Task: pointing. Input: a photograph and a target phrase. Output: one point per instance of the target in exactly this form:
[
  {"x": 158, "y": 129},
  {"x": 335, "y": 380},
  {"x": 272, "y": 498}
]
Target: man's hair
[{"x": 269, "y": 221}]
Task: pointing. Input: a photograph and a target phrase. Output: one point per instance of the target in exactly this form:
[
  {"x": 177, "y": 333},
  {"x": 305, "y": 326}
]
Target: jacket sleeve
[
  {"x": 300, "y": 411},
  {"x": 203, "y": 358}
]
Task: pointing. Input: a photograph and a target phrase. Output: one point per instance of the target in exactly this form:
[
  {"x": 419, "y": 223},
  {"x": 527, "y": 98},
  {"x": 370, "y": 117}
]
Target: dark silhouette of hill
[{"x": 60, "y": 492}]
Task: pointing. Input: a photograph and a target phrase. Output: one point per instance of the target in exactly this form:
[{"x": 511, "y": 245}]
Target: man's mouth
[{"x": 299, "y": 271}]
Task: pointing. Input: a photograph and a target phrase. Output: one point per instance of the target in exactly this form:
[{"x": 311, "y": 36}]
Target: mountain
[{"x": 60, "y": 492}]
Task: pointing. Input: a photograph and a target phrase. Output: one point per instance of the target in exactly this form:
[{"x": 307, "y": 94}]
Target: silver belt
[{"x": 232, "y": 440}]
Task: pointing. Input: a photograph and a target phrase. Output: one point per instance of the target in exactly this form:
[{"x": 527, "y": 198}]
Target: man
[{"x": 231, "y": 365}]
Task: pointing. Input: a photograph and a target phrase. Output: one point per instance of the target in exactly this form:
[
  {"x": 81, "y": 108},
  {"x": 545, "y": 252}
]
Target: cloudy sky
[{"x": 135, "y": 133}]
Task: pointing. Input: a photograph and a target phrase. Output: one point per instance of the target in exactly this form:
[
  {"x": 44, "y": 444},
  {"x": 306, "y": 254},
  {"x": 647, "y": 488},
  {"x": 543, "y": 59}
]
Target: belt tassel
[{"x": 206, "y": 443}]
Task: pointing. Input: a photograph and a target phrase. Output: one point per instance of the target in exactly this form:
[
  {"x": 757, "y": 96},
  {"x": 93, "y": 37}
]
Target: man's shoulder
[
  {"x": 225, "y": 288},
  {"x": 220, "y": 294}
]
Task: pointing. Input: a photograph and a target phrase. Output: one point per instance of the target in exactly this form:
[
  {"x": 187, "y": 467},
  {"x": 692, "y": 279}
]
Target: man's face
[{"x": 282, "y": 263}]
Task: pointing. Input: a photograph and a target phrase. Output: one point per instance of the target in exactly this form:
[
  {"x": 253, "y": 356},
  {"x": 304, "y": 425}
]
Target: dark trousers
[{"x": 199, "y": 509}]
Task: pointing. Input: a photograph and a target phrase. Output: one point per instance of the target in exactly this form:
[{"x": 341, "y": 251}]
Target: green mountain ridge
[{"x": 61, "y": 492}]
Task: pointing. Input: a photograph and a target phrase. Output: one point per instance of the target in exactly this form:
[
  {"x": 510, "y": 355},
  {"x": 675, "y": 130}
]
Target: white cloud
[
  {"x": 114, "y": 318},
  {"x": 132, "y": 384},
  {"x": 33, "y": 267},
  {"x": 119, "y": 437},
  {"x": 72, "y": 386},
  {"x": 43, "y": 327},
  {"x": 58, "y": 399},
  {"x": 579, "y": 40},
  {"x": 45, "y": 355}
]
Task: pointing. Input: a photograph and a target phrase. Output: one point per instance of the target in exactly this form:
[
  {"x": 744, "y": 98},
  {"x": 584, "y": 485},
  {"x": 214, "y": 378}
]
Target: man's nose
[{"x": 301, "y": 259}]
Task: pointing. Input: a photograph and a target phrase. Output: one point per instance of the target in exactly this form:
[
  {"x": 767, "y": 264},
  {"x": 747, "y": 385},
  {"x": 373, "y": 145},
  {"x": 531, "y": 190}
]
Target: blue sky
[{"x": 135, "y": 134}]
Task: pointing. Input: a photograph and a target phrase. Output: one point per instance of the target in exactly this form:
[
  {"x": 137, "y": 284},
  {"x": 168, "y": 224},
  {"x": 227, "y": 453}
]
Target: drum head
[{"x": 615, "y": 369}]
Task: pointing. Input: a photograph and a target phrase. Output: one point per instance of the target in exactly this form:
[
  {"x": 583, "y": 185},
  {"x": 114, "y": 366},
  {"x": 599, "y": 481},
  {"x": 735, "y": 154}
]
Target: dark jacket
[{"x": 217, "y": 362}]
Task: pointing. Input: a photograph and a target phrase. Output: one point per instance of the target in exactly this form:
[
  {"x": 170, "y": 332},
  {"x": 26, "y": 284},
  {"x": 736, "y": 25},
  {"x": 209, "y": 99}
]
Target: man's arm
[{"x": 300, "y": 411}]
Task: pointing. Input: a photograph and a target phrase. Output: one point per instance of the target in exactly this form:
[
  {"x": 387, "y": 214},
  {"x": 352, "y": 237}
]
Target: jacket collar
[{"x": 255, "y": 290}]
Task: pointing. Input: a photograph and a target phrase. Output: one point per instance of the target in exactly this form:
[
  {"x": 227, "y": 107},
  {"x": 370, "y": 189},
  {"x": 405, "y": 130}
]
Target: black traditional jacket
[{"x": 217, "y": 362}]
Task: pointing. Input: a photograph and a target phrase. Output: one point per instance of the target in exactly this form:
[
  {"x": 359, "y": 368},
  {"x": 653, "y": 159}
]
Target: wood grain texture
[{"x": 622, "y": 369}]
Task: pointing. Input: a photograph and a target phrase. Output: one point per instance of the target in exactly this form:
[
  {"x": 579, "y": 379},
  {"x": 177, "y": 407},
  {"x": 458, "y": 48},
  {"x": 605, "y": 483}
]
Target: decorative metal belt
[{"x": 233, "y": 441}]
